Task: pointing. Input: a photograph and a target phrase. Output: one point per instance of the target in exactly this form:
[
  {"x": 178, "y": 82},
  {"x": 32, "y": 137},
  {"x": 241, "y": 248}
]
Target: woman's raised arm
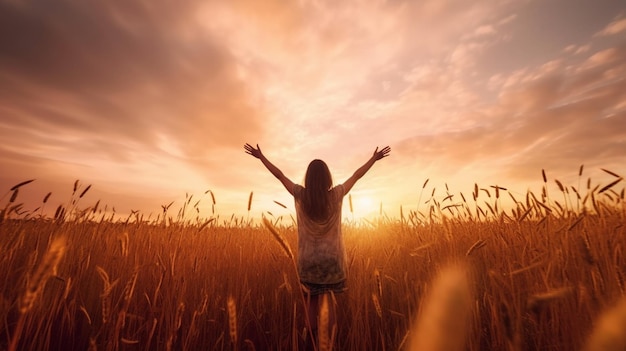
[
  {"x": 348, "y": 184},
  {"x": 256, "y": 152}
]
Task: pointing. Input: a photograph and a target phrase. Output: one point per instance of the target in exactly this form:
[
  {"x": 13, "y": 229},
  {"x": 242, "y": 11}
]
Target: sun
[{"x": 363, "y": 205}]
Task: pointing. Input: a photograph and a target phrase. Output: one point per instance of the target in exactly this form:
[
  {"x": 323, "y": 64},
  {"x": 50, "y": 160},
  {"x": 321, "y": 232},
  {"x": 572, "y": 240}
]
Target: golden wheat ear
[
  {"x": 442, "y": 322},
  {"x": 36, "y": 283},
  {"x": 279, "y": 238},
  {"x": 610, "y": 331},
  {"x": 232, "y": 320},
  {"x": 47, "y": 268}
]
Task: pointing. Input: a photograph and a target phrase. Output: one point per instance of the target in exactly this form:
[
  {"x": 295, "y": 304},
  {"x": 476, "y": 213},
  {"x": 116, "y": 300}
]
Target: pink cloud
[
  {"x": 121, "y": 73},
  {"x": 545, "y": 117},
  {"x": 615, "y": 27},
  {"x": 577, "y": 49}
]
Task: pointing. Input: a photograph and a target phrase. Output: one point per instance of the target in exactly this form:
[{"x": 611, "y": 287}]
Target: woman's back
[{"x": 321, "y": 253}]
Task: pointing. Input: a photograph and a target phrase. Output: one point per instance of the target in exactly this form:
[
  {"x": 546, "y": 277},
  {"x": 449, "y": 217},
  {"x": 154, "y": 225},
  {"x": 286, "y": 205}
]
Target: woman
[{"x": 321, "y": 254}]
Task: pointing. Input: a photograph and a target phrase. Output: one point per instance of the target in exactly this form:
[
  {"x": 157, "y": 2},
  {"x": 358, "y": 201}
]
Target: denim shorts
[{"x": 318, "y": 289}]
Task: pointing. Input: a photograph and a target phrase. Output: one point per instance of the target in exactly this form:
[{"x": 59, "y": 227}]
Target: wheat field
[{"x": 460, "y": 272}]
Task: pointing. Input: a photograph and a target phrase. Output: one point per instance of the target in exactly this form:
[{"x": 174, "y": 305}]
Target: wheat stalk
[
  {"x": 212, "y": 197},
  {"x": 178, "y": 321},
  {"x": 379, "y": 284},
  {"x": 537, "y": 300},
  {"x": 280, "y": 204},
  {"x": 324, "y": 325},
  {"x": 124, "y": 240},
  {"x": 441, "y": 325},
  {"x": 585, "y": 247},
  {"x": 606, "y": 187},
  {"x": 377, "y": 307},
  {"x": 129, "y": 289},
  {"x": 21, "y": 184},
  {"x": 350, "y": 203},
  {"x": 84, "y": 191},
  {"x": 46, "y": 269},
  {"x": 106, "y": 293},
  {"x": 279, "y": 238},
  {"x": 610, "y": 331},
  {"x": 477, "y": 245},
  {"x": 232, "y": 321},
  {"x": 611, "y": 173},
  {"x": 35, "y": 285},
  {"x": 152, "y": 330}
]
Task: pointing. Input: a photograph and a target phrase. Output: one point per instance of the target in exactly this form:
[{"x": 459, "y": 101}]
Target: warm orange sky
[{"x": 149, "y": 100}]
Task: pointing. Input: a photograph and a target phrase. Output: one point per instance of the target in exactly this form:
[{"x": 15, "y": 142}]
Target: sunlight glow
[{"x": 364, "y": 205}]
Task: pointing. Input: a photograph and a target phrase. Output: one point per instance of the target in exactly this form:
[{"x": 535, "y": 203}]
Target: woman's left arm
[{"x": 377, "y": 155}]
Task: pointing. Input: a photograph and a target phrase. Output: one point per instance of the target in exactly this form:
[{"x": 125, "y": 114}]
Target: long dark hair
[{"x": 317, "y": 183}]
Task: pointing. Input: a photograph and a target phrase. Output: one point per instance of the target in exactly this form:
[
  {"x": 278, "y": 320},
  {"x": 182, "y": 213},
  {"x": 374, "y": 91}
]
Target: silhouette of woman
[{"x": 321, "y": 254}]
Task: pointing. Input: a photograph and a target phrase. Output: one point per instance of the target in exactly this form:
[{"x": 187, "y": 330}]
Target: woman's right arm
[
  {"x": 348, "y": 184},
  {"x": 287, "y": 183}
]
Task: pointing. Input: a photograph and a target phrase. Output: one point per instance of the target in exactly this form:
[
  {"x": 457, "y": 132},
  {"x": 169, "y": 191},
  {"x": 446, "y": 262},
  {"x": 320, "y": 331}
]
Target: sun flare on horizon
[{"x": 364, "y": 206}]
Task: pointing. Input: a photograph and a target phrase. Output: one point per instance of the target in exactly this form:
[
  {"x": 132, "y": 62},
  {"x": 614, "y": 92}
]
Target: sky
[{"x": 152, "y": 100}]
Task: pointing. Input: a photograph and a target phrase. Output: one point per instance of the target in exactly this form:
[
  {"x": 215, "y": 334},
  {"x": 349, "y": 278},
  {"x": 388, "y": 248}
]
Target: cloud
[
  {"x": 112, "y": 78},
  {"x": 615, "y": 27},
  {"x": 603, "y": 57},
  {"x": 577, "y": 49},
  {"x": 555, "y": 116}
]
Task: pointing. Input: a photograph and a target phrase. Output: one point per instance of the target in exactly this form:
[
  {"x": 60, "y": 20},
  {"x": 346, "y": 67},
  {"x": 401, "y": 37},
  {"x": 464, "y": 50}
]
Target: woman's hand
[
  {"x": 380, "y": 154},
  {"x": 250, "y": 150}
]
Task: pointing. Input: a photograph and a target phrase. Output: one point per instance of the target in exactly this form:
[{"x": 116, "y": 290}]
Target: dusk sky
[{"x": 150, "y": 99}]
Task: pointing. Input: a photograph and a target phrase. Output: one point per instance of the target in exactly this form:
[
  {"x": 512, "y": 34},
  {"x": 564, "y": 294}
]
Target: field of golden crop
[{"x": 535, "y": 277}]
